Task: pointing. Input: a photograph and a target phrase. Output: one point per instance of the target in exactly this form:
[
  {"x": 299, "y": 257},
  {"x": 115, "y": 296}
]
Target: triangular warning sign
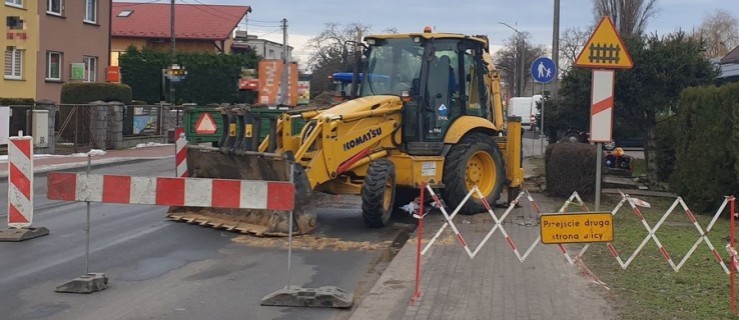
[
  {"x": 604, "y": 49},
  {"x": 206, "y": 124}
]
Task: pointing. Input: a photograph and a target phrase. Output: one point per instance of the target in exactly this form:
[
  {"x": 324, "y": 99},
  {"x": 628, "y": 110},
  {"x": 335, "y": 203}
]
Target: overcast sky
[{"x": 306, "y": 18}]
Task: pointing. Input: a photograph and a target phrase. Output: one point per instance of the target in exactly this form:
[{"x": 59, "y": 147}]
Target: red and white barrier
[
  {"x": 731, "y": 248},
  {"x": 167, "y": 191},
  {"x": 180, "y": 153},
  {"x": 20, "y": 182}
]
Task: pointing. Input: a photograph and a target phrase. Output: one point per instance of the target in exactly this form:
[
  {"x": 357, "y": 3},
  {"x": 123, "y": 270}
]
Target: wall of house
[
  {"x": 120, "y": 44},
  {"x": 25, "y": 38},
  {"x": 75, "y": 39},
  {"x": 265, "y": 48}
]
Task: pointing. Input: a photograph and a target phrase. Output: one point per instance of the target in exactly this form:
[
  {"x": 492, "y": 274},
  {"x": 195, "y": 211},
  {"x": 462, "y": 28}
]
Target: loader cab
[{"x": 439, "y": 77}]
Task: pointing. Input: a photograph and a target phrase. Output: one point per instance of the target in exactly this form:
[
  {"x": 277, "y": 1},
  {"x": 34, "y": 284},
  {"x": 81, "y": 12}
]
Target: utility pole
[
  {"x": 173, "y": 53},
  {"x": 555, "y": 49},
  {"x": 283, "y": 84}
]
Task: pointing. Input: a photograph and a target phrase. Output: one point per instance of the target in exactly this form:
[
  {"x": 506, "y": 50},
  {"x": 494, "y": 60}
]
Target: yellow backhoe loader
[{"x": 428, "y": 110}]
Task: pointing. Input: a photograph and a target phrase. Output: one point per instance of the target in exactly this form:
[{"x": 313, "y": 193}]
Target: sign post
[
  {"x": 604, "y": 50},
  {"x": 543, "y": 70}
]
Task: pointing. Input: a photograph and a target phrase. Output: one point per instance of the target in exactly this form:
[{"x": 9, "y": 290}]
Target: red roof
[{"x": 152, "y": 20}]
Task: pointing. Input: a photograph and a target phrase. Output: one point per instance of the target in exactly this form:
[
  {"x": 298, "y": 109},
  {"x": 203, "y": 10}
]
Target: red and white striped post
[
  {"x": 732, "y": 252},
  {"x": 180, "y": 152},
  {"x": 601, "y": 119},
  {"x": 20, "y": 191},
  {"x": 419, "y": 216}
]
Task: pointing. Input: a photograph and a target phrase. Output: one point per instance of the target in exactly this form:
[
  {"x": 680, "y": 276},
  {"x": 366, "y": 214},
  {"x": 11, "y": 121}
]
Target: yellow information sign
[
  {"x": 576, "y": 227},
  {"x": 604, "y": 49}
]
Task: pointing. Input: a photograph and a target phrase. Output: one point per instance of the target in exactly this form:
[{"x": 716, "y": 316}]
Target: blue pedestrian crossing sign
[{"x": 543, "y": 70}]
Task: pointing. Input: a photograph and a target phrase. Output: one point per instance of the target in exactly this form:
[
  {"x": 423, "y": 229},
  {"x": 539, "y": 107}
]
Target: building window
[
  {"x": 14, "y": 3},
  {"x": 13, "y": 63},
  {"x": 91, "y": 11},
  {"x": 15, "y": 23},
  {"x": 125, "y": 13},
  {"x": 91, "y": 68},
  {"x": 55, "y": 7},
  {"x": 54, "y": 66}
]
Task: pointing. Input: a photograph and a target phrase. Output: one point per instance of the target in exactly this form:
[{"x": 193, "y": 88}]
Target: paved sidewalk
[
  {"x": 493, "y": 285},
  {"x": 44, "y": 163}
]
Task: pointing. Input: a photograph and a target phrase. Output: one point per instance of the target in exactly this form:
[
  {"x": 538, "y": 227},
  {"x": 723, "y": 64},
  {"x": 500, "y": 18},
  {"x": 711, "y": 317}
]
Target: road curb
[
  {"x": 74, "y": 165},
  {"x": 389, "y": 297}
]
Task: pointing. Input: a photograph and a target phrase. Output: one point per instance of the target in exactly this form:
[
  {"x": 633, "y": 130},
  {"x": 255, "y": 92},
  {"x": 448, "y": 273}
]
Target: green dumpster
[{"x": 202, "y": 116}]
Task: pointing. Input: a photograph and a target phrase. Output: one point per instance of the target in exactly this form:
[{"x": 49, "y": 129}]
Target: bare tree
[
  {"x": 720, "y": 33},
  {"x": 571, "y": 43},
  {"x": 329, "y": 54},
  {"x": 508, "y": 61},
  {"x": 630, "y": 16}
]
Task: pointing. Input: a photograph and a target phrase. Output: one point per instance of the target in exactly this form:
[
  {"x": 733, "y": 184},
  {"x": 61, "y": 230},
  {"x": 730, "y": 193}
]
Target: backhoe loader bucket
[{"x": 235, "y": 159}]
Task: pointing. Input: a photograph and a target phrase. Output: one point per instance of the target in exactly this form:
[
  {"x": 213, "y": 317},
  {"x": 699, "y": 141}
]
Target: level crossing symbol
[{"x": 604, "y": 49}]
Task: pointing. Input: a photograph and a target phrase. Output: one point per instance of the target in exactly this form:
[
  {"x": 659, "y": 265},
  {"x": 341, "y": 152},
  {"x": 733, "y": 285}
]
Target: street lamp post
[{"x": 520, "y": 53}]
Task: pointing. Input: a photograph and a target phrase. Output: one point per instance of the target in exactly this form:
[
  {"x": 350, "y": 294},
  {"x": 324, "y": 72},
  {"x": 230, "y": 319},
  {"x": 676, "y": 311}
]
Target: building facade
[
  {"x": 262, "y": 47},
  {"x": 20, "y": 46},
  {"x": 51, "y": 42},
  {"x": 73, "y": 44}
]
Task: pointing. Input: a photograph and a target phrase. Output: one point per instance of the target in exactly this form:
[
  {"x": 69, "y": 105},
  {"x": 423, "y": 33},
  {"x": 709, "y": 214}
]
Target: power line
[
  {"x": 271, "y": 32},
  {"x": 263, "y": 21},
  {"x": 212, "y": 7},
  {"x": 209, "y": 12},
  {"x": 262, "y": 26}
]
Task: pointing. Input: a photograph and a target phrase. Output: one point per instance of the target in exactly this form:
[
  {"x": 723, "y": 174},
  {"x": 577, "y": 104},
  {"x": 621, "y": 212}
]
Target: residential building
[
  {"x": 729, "y": 67},
  {"x": 45, "y": 40},
  {"x": 19, "y": 49},
  {"x": 262, "y": 47},
  {"x": 198, "y": 28},
  {"x": 74, "y": 44}
]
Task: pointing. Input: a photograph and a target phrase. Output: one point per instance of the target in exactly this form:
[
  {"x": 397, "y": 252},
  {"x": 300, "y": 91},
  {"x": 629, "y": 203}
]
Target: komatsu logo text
[{"x": 362, "y": 139}]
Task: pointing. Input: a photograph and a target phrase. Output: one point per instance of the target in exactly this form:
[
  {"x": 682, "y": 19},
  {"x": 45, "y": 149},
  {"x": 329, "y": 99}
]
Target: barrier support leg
[
  {"x": 88, "y": 282},
  {"x": 21, "y": 234},
  {"x": 297, "y": 296}
]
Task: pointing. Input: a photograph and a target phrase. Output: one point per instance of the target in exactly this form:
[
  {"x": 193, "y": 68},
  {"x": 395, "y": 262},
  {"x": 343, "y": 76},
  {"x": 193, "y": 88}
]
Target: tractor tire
[
  {"x": 378, "y": 193},
  {"x": 474, "y": 160}
]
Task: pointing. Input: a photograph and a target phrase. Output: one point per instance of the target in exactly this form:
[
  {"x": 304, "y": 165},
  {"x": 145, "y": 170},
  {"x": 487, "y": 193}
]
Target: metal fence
[{"x": 80, "y": 127}]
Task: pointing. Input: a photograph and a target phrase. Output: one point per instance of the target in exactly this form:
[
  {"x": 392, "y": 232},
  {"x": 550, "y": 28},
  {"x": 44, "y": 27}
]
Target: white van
[{"x": 524, "y": 107}]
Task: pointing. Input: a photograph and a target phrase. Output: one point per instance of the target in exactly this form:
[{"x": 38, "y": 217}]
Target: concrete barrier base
[
  {"x": 21, "y": 234},
  {"x": 296, "y": 296},
  {"x": 87, "y": 283}
]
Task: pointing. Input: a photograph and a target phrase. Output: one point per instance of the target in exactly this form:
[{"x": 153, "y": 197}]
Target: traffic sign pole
[
  {"x": 604, "y": 49},
  {"x": 541, "y": 129}
]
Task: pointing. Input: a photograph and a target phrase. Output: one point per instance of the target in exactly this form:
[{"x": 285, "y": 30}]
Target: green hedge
[
  {"x": 16, "y": 102},
  {"x": 570, "y": 167},
  {"x": 210, "y": 77},
  {"x": 665, "y": 150},
  {"x": 86, "y": 92},
  {"x": 707, "y": 146}
]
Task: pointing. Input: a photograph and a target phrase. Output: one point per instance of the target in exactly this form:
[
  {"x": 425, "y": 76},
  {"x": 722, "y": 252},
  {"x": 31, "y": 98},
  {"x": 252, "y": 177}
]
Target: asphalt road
[{"x": 159, "y": 269}]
